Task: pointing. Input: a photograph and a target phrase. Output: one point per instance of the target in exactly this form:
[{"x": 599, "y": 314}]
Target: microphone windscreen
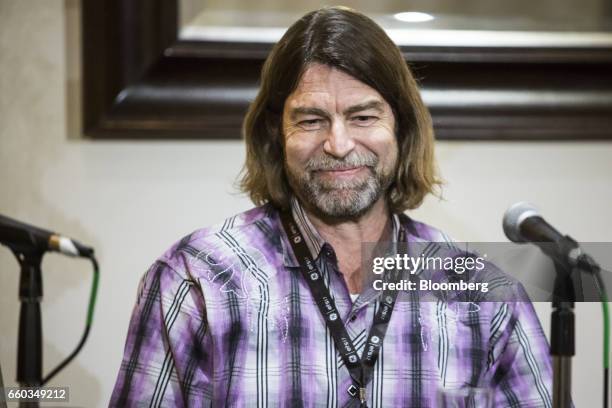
[{"x": 514, "y": 217}]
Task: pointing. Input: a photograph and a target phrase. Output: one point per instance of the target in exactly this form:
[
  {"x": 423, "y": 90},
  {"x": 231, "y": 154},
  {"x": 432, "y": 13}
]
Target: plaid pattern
[{"x": 224, "y": 318}]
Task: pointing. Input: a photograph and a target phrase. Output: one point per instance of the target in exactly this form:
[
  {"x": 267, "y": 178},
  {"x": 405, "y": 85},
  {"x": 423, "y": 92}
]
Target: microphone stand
[
  {"x": 562, "y": 332},
  {"x": 29, "y": 244},
  {"x": 29, "y": 350},
  {"x": 567, "y": 291}
]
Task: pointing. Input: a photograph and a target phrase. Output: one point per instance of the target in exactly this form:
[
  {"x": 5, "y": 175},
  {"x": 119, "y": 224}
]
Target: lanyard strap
[{"x": 360, "y": 370}]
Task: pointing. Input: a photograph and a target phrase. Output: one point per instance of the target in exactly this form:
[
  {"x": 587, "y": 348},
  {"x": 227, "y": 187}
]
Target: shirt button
[{"x": 353, "y": 318}]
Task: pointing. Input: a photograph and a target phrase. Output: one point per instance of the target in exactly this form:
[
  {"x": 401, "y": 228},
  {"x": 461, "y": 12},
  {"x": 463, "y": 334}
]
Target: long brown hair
[{"x": 351, "y": 42}]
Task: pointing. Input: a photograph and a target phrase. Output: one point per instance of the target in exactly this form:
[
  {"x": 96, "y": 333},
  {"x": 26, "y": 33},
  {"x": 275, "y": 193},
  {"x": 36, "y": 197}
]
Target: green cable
[
  {"x": 603, "y": 296},
  {"x": 606, "y": 362},
  {"x": 94, "y": 293},
  {"x": 606, "y": 316},
  {"x": 606, "y": 332},
  {"x": 92, "y": 302},
  {"x": 606, "y": 351}
]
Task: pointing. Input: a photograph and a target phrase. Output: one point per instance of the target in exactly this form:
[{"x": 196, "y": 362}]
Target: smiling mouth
[{"x": 343, "y": 172}]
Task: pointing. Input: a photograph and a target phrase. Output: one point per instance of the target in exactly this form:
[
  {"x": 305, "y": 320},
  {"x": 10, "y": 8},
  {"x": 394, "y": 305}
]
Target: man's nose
[{"x": 339, "y": 142}]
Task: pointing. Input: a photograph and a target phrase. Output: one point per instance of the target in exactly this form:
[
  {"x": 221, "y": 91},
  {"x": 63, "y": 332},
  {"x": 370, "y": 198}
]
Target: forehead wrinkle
[
  {"x": 307, "y": 110},
  {"x": 375, "y": 104},
  {"x": 324, "y": 91},
  {"x": 308, "y": 102}
]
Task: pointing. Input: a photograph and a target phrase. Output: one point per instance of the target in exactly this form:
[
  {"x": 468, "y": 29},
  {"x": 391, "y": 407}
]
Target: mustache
[{"x": 325, "y": 162}]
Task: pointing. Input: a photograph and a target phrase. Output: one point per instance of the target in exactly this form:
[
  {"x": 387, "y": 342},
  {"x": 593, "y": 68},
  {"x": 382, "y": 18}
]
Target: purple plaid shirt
[{"x": 224, "y": 318}]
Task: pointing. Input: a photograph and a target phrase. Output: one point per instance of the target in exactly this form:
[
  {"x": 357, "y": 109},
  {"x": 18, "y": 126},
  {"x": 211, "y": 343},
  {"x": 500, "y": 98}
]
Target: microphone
[
  {"x": 20, "y": 236},
  {"x": 523, "y": 223}
]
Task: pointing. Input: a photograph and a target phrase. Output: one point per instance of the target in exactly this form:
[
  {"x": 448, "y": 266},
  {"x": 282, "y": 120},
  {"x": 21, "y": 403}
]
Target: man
[{"x": 270, "y": 308}]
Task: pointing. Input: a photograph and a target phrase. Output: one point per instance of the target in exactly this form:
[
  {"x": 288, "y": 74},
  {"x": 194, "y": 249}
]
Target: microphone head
[{"x": 514, "y": 217}]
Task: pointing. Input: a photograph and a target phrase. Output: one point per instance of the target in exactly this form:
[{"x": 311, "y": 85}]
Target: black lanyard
[{"x": 360, "y": 370}]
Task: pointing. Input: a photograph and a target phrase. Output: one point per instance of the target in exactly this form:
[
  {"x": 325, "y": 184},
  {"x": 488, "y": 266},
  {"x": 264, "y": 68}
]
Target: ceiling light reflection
[{"x": 413, "y": 17}]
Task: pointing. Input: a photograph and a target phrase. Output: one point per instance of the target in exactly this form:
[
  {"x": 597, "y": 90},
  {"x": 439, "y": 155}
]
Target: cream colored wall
[{"x": 131, "y": 200}]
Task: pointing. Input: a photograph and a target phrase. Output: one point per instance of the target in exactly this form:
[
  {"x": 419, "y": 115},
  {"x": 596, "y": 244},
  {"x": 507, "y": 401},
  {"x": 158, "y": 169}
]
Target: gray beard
[{"x": 343, "y": 199}]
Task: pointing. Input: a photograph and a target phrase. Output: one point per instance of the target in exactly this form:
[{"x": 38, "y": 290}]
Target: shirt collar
[{"x": 314, "y": 241}]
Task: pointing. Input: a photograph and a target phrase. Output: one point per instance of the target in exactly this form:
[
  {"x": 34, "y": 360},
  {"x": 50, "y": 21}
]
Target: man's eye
[
  {"x": 310, "y": 124},
  {"x": 364, "y": 120}
]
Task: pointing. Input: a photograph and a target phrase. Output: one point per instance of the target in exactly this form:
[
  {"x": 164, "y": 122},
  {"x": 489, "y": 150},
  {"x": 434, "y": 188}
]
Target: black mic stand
[
  {"x": 562, "y": 332},
  {"x": 29, "y": 349}
]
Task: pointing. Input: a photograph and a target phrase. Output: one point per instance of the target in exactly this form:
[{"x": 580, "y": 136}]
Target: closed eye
[
  {"x": 364, "y": 120},
  {"x": 311, "y": 124}
]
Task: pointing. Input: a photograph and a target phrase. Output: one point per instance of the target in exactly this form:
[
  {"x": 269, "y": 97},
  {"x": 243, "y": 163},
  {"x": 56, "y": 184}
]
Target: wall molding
[{"x": 140, "y": 81}]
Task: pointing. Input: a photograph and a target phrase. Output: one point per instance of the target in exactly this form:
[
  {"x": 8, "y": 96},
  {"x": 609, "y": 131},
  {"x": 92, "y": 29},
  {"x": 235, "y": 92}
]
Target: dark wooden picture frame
[{"x": 140, "y": 81}]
